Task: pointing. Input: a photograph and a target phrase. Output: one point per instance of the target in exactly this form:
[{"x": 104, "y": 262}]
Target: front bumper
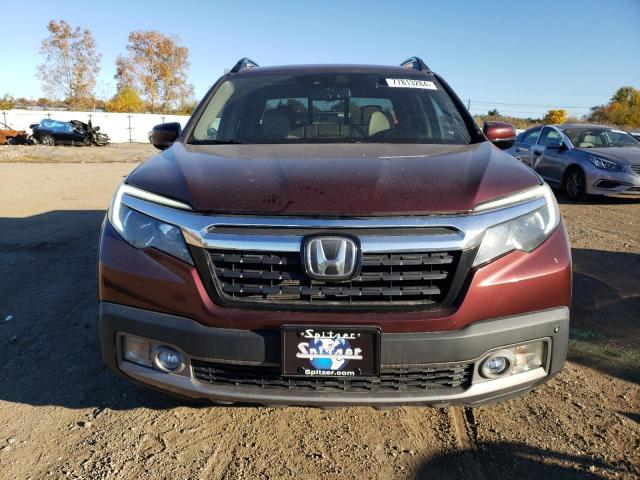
[
  {"x": 233, "y": 346},
  {"x": 618, "y": 184}
]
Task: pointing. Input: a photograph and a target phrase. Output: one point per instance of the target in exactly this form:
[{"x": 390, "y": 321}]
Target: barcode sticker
[{"x": 411, "y": 83}]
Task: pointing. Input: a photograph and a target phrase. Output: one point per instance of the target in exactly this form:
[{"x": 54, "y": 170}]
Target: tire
[
  {"x": 48, "y": 141},
  {"x": 11, "y": 141},
  {"x": 574, "y": 184}
]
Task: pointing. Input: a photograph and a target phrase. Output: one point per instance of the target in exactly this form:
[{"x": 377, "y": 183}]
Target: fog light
[
  {"x": 137, "y": 350},
  {"x": 512, "y": 360},
  {"x": 168, "y": 359},
  {"x": 496, "y": 364}
]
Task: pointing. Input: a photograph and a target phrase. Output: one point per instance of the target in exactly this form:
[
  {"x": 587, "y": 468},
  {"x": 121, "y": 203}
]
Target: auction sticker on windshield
[
  {"x": 330, "y": 352},
  {"x": 410, "y": 83}
]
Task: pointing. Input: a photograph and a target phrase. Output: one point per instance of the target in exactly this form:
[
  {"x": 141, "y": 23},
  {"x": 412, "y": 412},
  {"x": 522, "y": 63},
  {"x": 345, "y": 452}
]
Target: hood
[
  {"x": 331, "y": 179},
  {"x": 622, "y": 155}
]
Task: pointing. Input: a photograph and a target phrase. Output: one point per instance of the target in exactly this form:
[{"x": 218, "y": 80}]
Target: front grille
[
  {"x": 636, "y": 168},
  {"x": 279, "y": 278},
  {"x": 392, "y": 379}
]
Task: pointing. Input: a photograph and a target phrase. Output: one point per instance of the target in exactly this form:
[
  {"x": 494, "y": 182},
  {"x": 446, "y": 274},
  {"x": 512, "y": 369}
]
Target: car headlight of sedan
[
  {"x": 143, "y": 231},
  {"x": 604, "y": 164},
  {"x": 525, "y": 232}
]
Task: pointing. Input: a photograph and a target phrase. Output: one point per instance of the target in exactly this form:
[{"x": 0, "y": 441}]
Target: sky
[{"x": 519, "y": 57}]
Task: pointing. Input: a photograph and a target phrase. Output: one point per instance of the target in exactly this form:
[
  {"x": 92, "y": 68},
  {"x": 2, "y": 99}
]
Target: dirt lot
[
  {"x": 64, "y": 415},
  {"x": 115, "y": 152}
]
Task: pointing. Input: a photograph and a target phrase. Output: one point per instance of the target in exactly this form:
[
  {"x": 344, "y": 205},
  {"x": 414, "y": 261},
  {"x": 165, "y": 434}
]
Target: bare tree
[
  {"x": 156, "y": 67},
  {"x": 70, "y": 65}
]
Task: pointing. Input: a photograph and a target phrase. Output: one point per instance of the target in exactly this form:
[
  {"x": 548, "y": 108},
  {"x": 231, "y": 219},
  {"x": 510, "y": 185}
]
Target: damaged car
[{"x": 54, "y": 132}]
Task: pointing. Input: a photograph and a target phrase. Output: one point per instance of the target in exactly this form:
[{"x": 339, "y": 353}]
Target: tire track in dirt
[{"x": 465, "y": 430}]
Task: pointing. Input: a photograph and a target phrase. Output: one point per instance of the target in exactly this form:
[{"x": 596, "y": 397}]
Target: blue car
[{"x": 54, "y": 132}]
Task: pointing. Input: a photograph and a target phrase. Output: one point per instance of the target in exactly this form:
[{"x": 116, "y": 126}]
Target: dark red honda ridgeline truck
[{"x": 334, "y": 235}]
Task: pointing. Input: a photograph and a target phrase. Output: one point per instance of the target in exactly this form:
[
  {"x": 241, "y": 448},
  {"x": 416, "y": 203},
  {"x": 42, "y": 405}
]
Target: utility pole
[{"x": 469, "y": 104}]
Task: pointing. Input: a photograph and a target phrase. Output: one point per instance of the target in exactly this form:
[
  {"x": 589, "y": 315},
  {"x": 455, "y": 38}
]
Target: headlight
[
  {"x": 524, "y": 233},
  {"x": 603, "y": 164},
  {"x": 143, "y": 231}
]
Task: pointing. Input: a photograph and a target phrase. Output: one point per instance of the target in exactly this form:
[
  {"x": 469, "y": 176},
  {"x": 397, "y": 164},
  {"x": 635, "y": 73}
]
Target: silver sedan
[{"x": 582, "y": 159}]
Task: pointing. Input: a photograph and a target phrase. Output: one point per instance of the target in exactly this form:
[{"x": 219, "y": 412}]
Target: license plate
[{"x": 339, "y": 352}]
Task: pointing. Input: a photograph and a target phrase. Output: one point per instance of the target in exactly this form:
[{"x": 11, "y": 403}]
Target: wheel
[
  {"x": 11, "y": 141},
  {"x": 48, "y": 141},
  {"x": 574, "y": 184},
  {"x": 86, "y": 141}
]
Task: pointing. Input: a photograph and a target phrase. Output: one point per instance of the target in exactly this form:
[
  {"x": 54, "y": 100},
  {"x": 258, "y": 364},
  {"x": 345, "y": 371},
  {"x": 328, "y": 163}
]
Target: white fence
[{"x": 121, "y": 127}]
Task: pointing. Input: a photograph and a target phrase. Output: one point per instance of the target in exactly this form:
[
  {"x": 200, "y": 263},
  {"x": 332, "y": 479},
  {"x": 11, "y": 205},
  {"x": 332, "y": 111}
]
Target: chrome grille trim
[
  {"x": 468, "y": 229},
  {"x": 368, "y": 243}
]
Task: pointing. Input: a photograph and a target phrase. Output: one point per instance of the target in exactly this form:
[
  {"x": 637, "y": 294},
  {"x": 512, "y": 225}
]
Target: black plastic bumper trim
[{"x": 263, "y": 346}]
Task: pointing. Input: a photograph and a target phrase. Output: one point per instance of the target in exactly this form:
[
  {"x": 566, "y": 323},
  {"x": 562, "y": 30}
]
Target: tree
[
  {"x": 625, "y": 96},
  {"x": 186, "y": 108},
  {"x": 7, "y": 102},
  {"x": 555, "y": 116},
  {"x": 493, "y": 113},
  {"x": 70, "y": 65},
  {"x": 156, "y": 67},
  {"x": 126, "y": 100},
  {"x": 623, "y": 109}
]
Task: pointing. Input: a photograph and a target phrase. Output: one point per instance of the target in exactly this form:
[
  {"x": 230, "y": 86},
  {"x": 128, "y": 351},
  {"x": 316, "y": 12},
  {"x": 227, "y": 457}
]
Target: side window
[
  {"x": 531, "y": 137},
  {"x": 209, "y": 124},
  {"x": 550, "y": 136},
  {"x": 448, "y": 128}
]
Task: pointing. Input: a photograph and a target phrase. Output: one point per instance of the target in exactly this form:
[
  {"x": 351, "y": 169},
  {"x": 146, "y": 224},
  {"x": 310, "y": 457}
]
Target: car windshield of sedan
[
  {"x": 331, "y": 108},
  {"x": 600, "y": 137}
]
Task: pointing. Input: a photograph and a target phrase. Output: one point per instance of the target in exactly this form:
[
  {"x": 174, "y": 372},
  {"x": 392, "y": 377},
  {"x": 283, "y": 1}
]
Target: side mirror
[
  {"x": 162, "y": 136},
  {"x": 501, "y": 134}
]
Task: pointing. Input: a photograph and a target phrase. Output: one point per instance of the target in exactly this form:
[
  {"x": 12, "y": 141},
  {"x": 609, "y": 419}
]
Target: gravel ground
[
  {"x": 115, "y": 152},
  {"x": 64, "y": 415}
]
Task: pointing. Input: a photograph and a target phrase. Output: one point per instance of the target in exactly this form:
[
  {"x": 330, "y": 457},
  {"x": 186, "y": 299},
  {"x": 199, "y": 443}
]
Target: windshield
[
  {"x": 600, "y": 137},
  {"x": 331, "y": 108}
]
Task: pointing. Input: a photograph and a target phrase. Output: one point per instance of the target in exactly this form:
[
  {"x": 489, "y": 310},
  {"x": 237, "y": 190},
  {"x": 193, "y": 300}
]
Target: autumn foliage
[
  {"x": 70, "y": 65},
  {"x": 7, "y": 102},
  {"x": 623, "y": 109},
  {"x": 555, "y": 117},
  {"x": 155, "y": 67},
  {"x": 126, "y": 100}
]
